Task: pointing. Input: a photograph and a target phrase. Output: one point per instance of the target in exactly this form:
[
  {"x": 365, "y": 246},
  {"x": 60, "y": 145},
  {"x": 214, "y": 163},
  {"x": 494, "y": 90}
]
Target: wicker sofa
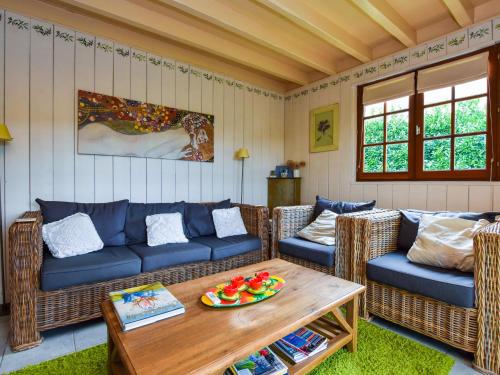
[
  {"x": 365, "y": 239},
  {"x": 34, "y": 310}
]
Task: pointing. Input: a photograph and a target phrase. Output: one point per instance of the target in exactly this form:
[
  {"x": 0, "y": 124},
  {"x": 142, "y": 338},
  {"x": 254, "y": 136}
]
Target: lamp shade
[
  {"x": 4, "y": 133},
  {"x": 242, "y": 153}
]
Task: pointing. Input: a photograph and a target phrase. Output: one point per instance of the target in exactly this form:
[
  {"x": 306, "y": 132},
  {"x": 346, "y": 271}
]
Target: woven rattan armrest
[
  {"x": 25, "y": 262},
  {"x": 256, "y": 219},
  {"x": 287, "y": 221},
  {"x": 487, "y": 289},
  {"x": 362, "y": 236}
]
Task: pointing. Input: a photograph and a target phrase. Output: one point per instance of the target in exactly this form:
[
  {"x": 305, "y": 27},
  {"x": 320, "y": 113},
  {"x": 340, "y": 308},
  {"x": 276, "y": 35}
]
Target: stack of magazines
[
  {"x": 263, "y": 362},
  {"x": 301, "y": 344},
  {"x": 146, "y": 304}
]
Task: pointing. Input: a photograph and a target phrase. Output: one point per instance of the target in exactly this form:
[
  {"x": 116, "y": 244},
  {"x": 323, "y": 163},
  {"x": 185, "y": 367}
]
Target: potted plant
[{"x": 295, "y": 166}]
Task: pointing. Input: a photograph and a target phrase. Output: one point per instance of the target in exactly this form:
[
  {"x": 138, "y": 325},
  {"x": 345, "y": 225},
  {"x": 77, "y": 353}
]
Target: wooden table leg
[
  {"x": 352, "y": 319},
  {"x": 111, "y": 354}
]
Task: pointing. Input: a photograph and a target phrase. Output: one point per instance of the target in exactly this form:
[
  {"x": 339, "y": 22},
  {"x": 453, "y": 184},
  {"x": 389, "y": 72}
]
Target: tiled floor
[{"x": 62, "y": 341}]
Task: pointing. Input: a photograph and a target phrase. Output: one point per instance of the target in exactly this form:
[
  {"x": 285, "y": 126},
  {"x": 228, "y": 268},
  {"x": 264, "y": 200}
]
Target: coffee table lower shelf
[{"x": 340, "y": 331}]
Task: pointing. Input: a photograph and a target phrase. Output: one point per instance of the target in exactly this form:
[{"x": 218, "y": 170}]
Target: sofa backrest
[
  {"x": 410, "y": 219},
  {"x": 198, "y": 218},
  {"x": 108, "y": 218}
]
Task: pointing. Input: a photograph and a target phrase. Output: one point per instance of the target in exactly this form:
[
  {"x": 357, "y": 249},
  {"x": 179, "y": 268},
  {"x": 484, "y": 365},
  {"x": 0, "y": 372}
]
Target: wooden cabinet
[{"x": 282, "y": 192}]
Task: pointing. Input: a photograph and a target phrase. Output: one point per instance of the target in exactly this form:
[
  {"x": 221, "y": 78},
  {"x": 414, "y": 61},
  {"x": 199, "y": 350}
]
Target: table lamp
[{"x": 242, "y": 154}]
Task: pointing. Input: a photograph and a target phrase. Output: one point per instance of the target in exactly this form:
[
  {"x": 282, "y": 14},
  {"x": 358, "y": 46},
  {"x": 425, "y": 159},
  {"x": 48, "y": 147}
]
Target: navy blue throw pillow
[
  {"x": 135, "y": 225},
  {"x": 340, "y": 207},
  {"x": 410, "y": 219},
  {"x": 108, "y": 218},
  {"x": 199, "y": 220}
]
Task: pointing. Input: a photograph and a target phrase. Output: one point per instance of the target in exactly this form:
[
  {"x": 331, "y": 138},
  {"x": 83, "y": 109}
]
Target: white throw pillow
[
  {"x": 165, "y": 228},
  {"x": 445, "y": 242},
  {"x": 321, "y": 230},
  {"x": 73, "y": 235},
  {"x": 228, "y": 222}
]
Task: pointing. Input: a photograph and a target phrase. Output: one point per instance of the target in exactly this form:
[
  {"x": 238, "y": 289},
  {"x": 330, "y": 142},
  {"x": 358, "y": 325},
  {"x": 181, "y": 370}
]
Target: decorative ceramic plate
[{"x": 245, "y": 297}]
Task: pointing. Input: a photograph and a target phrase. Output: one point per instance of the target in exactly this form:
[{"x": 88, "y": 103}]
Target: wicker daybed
[
  {"x": 34, "y": 310},
  {"x": 364, "y": 236}
]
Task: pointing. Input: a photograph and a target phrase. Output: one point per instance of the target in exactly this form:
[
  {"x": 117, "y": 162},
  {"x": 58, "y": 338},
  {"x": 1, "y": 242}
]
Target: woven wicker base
[
  {"x": 306, "y": 263},
  {"x": 453, "y": 325}
]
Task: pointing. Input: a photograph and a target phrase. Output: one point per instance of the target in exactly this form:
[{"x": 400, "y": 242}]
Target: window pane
[
  {"x": 472, "y": 88},
  {"x": 374, "y": 130},
  {"x": 373, "y": 159},
  {"x": 374, "y": 109},
  {"x": 470, "y": 116},
  {"x": 397, "y": 157},
  {"x": 470, "y": 152},
  {"x": 397, "y": 127},
  {"x": 437, "y": 155},
  {"x": 436, "y": 96},
  {"x": 398, "y": 104},
  {"x": 437, "y": 120}
]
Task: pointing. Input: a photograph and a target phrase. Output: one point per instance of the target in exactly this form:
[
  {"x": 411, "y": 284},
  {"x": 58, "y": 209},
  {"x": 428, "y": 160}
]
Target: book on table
[
  {"x": 301, "y": 344},
  {"x": 263, "y": 362},
  {"x": 145, "y": 304}
]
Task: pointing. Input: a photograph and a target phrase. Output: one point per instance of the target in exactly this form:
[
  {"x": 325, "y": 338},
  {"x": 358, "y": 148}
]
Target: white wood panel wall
[
  {"x": 333, "y": 174},
  {"x": 46, "y": 64}
]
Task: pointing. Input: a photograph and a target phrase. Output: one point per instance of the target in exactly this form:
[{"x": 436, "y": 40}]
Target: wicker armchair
[
  {"x": 34, "y": 310},
  {"x": 368, "y": 235},
  {"x": 287, "y": 221}
]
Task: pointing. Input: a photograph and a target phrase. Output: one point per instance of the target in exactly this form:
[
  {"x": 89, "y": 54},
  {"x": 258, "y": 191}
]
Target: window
[
  {"x": 386, "y": 136},
  {"x": 428, "y": 125}
]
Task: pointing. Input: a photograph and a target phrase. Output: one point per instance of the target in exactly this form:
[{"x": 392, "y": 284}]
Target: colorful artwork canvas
[
  {"x": 324, "y": 129},
  {"x": 108, "y": 125}
]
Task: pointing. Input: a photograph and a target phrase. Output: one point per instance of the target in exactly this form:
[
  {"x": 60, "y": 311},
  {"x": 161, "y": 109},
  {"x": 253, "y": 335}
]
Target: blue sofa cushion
[
  {"x": 108, "y": 218},
  {"x": 172, "y": 254},
  {"x": 106, "y": 264},
  {"x": 450, "y": 286},
  {"x": 410, "y": 219},
  {"x": 135, "y": 224},
  {"x": 198, "y": 218},
  {"x": 307, "y": 250},
  {"x": 229, "y": 246},
  {"x": 340, "y": 207}
]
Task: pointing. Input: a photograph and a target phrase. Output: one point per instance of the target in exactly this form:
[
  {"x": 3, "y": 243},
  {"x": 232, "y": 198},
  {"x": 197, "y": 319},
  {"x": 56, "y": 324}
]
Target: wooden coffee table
[{"x": 206, "y": 340}]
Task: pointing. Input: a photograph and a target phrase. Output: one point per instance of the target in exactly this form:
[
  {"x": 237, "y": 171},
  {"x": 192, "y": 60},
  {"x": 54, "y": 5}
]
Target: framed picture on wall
[{"x": 324, "y": 128}]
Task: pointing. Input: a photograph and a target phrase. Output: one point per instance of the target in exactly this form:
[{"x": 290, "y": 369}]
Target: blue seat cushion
[
  {"x": 229, "y": 246},
  {"x": 198, "y": 217},
  {"x": 112, "y": 262},
  {"x": 340, "y": 207},
  {"x": 410, "y": 219},
  {"x": 450, "y": 286},
  {"x": 308, "y": 250},
  {"x": 172, "y": 254},
  {"x": 108, "y": 218},
  {"x": 135, "y": 224}
]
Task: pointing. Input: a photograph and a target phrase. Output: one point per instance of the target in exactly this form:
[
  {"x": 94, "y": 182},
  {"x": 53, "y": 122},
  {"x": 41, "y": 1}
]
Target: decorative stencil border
[{"x": 461, "y": 41}]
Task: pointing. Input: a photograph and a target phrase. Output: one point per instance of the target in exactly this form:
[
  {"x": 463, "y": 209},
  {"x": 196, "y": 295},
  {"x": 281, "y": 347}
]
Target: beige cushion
[
  {"x": 321, "y": 230},
  {"x": 445, "y": 242}
]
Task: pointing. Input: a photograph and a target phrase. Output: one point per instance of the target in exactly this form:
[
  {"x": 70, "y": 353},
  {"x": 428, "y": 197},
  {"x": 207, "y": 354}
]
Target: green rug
[{"x": 380, "y": 351}]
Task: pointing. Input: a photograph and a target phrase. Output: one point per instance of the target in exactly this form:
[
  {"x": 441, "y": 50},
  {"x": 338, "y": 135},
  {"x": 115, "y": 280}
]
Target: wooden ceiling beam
[
  {"x": 303, "y": 15},
  {"x": 245, "y": 25},
  {"x": 461, "y": 10},
  {"x": 169, "y": 26},
  {"x": 383, "y": 14}
]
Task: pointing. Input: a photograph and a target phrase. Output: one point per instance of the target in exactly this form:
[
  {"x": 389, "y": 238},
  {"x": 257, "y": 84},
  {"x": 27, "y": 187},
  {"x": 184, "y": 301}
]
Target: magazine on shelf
[
  {"x": 301, "y": 344},
  {"x": 263, "y": 362},
  {"x": 145, "y": 304}
]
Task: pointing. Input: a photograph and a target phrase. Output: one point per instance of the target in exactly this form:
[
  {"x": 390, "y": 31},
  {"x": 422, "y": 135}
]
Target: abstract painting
[
  {"x": 108, "y": 125},
  {"x": 324, "y": 129}
]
